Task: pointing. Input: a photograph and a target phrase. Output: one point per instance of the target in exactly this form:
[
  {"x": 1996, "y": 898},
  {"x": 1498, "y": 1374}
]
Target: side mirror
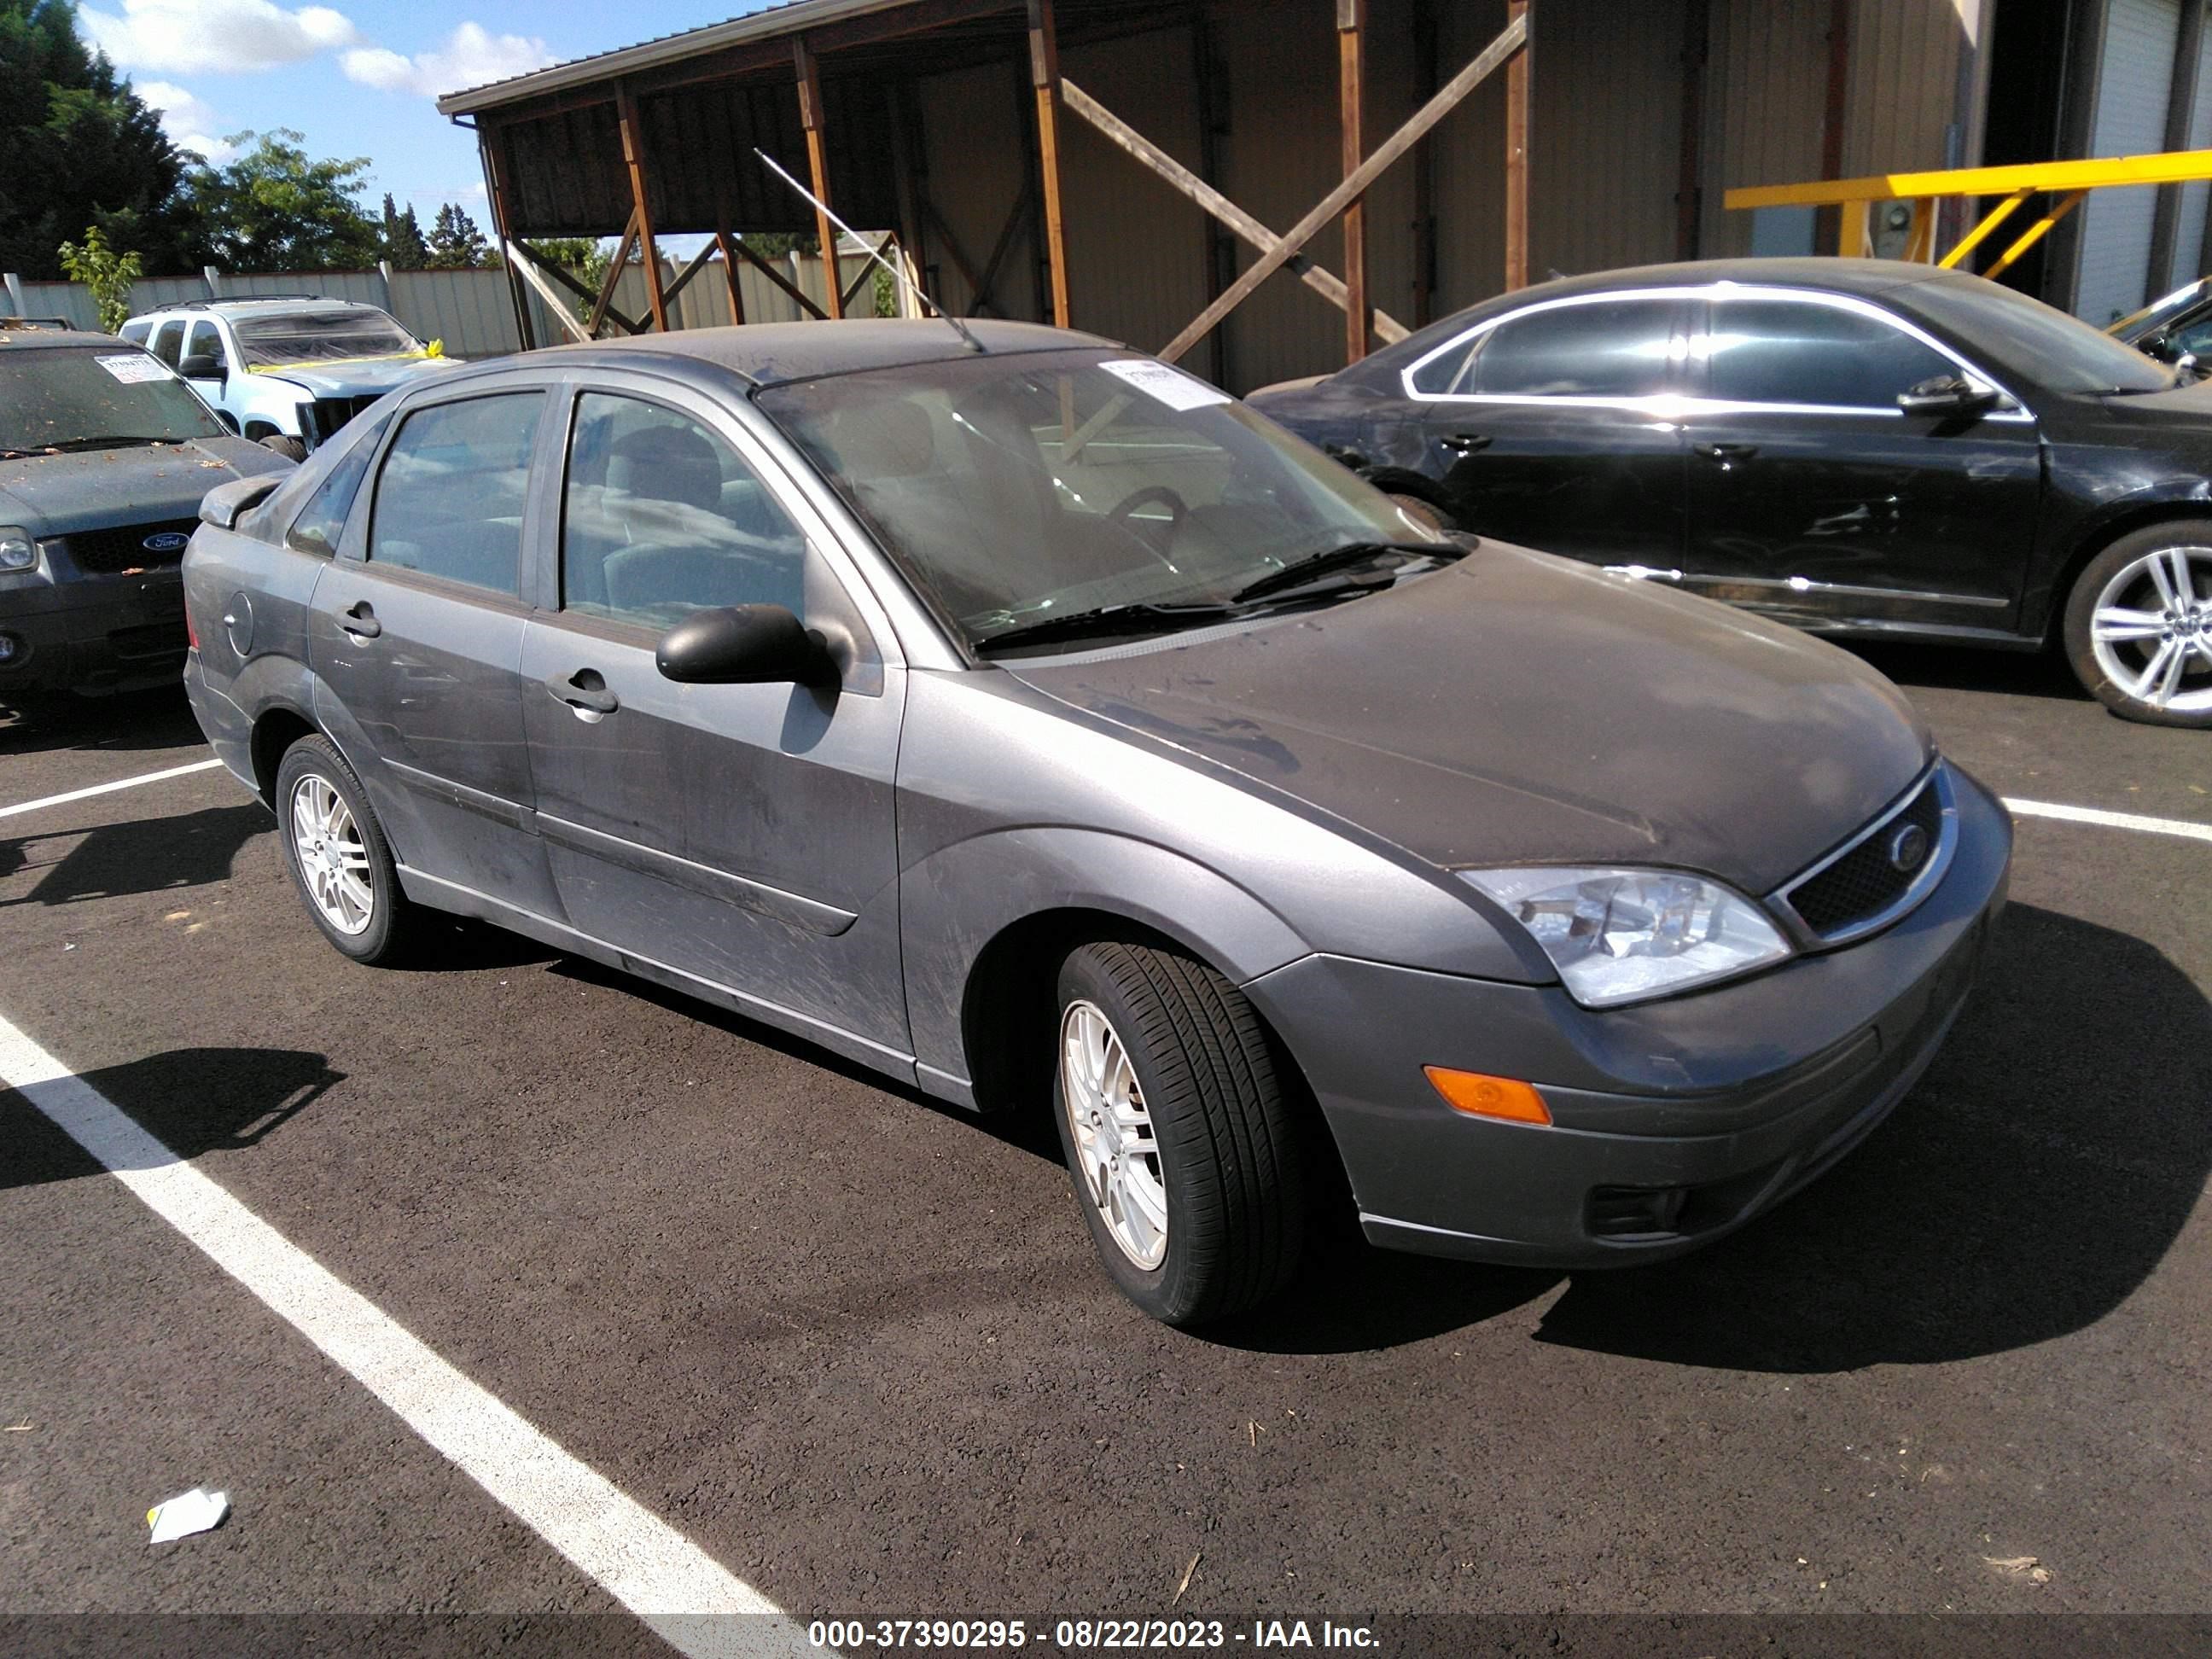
[
  {"x": 1945, "y": 394},
  {"x": 224, "y": 505},
  {"x": 743, "y": 645},
  {"x": 201, "y": 366}
]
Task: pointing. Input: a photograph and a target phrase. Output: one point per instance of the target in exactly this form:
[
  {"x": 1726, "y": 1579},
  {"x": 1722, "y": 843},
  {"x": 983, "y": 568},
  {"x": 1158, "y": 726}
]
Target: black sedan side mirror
[
  {"x": 743, "y": 645},
  {"x": 1945, "y": 394},
  {"x": 201, "y": 366}
]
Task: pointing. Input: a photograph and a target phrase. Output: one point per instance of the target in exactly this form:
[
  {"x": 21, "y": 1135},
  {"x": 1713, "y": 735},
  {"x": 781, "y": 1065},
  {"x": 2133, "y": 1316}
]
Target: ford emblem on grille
[
  {"x": 1908, "y": 849},
  {"x": 165, "y": 541}
]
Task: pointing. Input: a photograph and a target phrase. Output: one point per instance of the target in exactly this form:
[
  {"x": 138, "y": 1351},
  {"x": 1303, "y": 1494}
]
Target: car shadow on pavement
[
  {"x": 2018, "y": 673},
  {"x": 119, "y": 724},
  {"x": 140, "y": 855},
  {"x": 191, "y": 1100},
  {"x": 2036, "y": 1177}
]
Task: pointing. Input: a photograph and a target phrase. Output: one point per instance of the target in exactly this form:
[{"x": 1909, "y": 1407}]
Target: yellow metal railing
[{"x": 2065, "y": 182}]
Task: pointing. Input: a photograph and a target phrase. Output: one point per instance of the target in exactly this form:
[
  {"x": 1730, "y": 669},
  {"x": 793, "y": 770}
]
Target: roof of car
[
  {"x": 263, "y": 304},
  {"x": 33, "y": 339},
  {"x": 777, "y": 353},
  {"x": 1840, "y": 276}
]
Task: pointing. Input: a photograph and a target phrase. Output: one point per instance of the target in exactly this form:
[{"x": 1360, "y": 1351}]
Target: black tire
[
  {"x": 290, "y": 447},
  {"x": 2090, "y": 593},
  {"x": 391, "y": 923},
  {"x": 1231, "y": 1153}
]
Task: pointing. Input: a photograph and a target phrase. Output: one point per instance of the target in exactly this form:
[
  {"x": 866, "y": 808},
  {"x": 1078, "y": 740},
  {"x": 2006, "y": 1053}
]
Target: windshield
[
  {"x": 2158, "y": 313},
  {"x": 53, "y": 398},
  {"x": 2041, "y": 345},
  {"x": 321, "y": 337},
  {"x": 1016, "y": 489}
]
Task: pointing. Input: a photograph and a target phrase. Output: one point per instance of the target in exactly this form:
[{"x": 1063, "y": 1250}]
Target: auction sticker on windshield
[
  {"x": 134, "y": 368},
  {"x": 1170, "y": 386}
]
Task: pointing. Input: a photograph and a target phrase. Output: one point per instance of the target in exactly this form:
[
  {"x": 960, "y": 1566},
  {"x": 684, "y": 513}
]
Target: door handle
[
  {"x": 360, "y": 621},
  {"x": 1465, "y": 443},
  {"x": 585, "y": 691},
  {"x": 1726, "y": 453}
]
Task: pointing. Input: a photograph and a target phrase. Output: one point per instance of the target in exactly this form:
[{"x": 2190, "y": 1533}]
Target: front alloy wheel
[
  {"x": 2139, "y": 625},
  {"x": 1116, "y": 1155}
]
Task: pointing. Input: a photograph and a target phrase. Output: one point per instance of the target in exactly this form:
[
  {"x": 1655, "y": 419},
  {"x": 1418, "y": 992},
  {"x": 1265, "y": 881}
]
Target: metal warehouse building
[{"x": 1021, "y": 151}]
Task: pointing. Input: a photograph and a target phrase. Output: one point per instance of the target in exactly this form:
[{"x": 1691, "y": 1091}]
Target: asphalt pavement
[{"x": 851, "y": 1344}]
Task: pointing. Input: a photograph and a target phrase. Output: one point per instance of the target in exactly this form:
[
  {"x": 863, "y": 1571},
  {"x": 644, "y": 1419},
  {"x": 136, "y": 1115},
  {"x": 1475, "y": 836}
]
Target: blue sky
[{"x": 360, "y": 79}]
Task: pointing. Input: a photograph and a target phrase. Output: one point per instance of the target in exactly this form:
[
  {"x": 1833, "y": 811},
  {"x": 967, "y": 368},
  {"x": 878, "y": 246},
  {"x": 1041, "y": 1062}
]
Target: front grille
[
  {"x": 1865, "y": 883},
  {"x": 123, "y": 550},
  {"x": 326, "y": 415}
]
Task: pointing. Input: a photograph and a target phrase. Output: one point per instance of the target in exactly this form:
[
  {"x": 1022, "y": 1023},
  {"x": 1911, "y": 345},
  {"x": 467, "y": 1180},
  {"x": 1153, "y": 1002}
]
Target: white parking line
[
  {"x": 107, "y": 789},
  {"x": 645, "y": 1564},
  {"x": 2045, "y": 809}
]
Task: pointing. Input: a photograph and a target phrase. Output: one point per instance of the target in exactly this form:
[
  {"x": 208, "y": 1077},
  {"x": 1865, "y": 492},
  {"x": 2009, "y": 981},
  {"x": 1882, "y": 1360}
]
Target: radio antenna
[{"x": 829, "y": 256}]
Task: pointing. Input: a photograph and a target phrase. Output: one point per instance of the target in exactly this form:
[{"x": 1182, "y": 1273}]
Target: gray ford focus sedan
[{"x": 1019, "y": 715}]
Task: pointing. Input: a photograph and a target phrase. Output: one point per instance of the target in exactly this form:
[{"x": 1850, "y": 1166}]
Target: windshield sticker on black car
[
  {"x": 133, "y": 368},
  {"x": 1169, "y": 386}
]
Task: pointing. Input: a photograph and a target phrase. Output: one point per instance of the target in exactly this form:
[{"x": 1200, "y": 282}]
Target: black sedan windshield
[
  {"x": 2041, "y": 346},
  {"x": 1019, "y": 489},
  {"x": 77, "y": 396}
]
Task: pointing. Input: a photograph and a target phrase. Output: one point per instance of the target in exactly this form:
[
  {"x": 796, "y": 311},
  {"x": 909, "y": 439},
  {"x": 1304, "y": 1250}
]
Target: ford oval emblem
[
  {"x": 1908, "y": 849},
  {"x": 165, "y": 541}
]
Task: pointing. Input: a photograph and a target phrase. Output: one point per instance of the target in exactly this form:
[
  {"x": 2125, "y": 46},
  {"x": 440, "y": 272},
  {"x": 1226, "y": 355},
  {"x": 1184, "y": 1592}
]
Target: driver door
[{"x": 742, "y": 835}]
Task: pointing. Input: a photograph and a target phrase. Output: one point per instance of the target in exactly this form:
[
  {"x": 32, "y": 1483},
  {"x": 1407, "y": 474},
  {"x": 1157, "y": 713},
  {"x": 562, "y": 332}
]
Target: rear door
[
  {"x": 1551, "y": 426},
  {"x": 742, "y": 834},
  {"x": 1814, "y": 497},
  {"x": 416, "y": 639}
]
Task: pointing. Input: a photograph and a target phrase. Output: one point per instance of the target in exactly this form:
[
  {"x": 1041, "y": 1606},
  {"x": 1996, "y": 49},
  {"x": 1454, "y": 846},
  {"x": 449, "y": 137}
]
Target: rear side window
[
  {"x": 136, "y": 332},
  {"x": 1606, "y": 349},
  {"x": 168, "y": 343},
  {"x": 449, "y": 500},
  {"x": 1789, "y": 351},
  {"x": 322, "y": 520}
]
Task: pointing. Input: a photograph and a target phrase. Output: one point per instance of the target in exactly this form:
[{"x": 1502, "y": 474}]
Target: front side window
[
  {"x": 1612, "y": 348},
  {"x": 449, "y": 500},
  {"x": 169, "y": 342},
  {"x": 205, "y": 341},
  {"x": 80, "y": 397},
  {"x": 317, "y": 336},
  {"x": 1792, "y": 351},
  {"x": 1016, "y": 489},
  {"x": 661, "y": 517}
]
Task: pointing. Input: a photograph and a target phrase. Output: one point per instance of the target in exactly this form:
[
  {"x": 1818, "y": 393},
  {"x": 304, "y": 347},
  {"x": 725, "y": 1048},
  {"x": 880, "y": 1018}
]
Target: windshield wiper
[
  {"x": 66, "y": 444},
  {"x": 1299, "y": 572},
  {"x": 1106, "y": 619}
]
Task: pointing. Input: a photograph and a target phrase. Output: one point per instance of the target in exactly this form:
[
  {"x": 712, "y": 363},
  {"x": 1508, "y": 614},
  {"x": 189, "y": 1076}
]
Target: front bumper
[
  {"x": 95, "y": 633},
  {"x": 1672, "y": 1121}
]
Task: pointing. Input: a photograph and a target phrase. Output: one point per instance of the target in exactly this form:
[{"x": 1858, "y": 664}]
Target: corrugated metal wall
[
  {"x": 2135, "y": 79},
  {"x": 1901, "y": 100},
  {"x": 1766, "y": 94},
  {"x": 2188, "y": 226},
  {"x": 975, "y": 147}
]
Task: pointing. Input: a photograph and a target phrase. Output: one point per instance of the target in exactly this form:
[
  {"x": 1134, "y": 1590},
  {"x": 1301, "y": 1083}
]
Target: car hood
[
  {"x": 362, "y": 377},
  {"x": 53, "y": 495},
  {"x": 1519, "y": 708}
]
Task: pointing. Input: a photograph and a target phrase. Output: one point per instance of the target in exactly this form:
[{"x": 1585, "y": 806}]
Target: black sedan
[
  {"x": 2173, "y": 328},
  {"x": 1858, "y": 447}
]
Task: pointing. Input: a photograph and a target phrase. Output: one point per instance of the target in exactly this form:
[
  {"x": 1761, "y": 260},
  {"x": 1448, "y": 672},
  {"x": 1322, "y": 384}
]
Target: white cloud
[
  {"x": 187, "y": 118},
  {"x": 472, "y": 56},
  {"x": 193, "y": 36}
]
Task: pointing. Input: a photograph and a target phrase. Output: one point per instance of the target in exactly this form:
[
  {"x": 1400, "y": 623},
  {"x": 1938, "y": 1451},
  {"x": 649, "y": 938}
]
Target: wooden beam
[
  {"x": 845, "y": 300},
  {"x": 698, "y": 263},
  {"x": 546, "y": 267},
  {"x": 633, "y": 142},
  {"x": 488, "y": 142},
  {"x": 818, "y": 162},
  {"x": 1017, "y": 216},
  {"x": 776, "y": 277},
  {"x": 520, "y": 262},
  {"x": 730, "y": 271},
  {"x": 1044, "y": 74},
  {"x": 1507, "y": 45},
  {"x": 1516, "y": 153},
  {"x": 1142, "y": 151},
  {"x": 953, "y": 248},
  {"x": 605, "y": 301},
  {"x": 1351, "y": 33},
  {"x": 1830, "y": 225}
]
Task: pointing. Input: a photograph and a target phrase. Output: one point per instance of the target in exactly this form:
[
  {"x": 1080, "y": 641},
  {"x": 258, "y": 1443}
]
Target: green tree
[
  {"x": 111, "y": 276},
  {"x": 400, "y": 239},
  {"x": 456, "y": 243},
  {"x": 78, "y": 146},
  {"x": 272, "y": 209}
]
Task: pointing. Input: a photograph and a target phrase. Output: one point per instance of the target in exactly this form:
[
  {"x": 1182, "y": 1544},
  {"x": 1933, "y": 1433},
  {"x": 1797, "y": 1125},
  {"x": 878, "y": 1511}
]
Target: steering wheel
[{"x": 1178, "y": 508}]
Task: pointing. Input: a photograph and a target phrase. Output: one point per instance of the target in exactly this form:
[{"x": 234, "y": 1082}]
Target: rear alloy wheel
[
  {"x": 1185, "y": 1153},
  {"x": 2139, "y": 625},
  {"x": 336, "y": 853}
]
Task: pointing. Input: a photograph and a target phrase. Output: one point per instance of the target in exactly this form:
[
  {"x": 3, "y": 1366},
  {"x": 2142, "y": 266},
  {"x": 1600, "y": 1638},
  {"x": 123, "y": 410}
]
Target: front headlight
[
  {"x": 1620, "y": 936},
  {"x": 17, "y": 551}
]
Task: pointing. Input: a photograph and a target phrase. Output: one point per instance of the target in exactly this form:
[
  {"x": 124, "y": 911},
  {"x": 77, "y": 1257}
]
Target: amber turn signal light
[{"x": 1479, "y": 1095}]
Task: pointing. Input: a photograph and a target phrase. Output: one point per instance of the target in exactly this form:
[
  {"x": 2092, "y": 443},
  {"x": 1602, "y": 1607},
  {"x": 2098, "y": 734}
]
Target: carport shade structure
[{"x": 656, "y": 139}]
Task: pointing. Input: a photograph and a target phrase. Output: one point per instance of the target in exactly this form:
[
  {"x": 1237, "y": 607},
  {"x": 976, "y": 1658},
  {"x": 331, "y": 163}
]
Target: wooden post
[
  {"x": 817, "y": 164},
  {"x": 1517, "y": 155},
  {"x": 1832, "y": 225},
  {"x": 1351, "y": 31},
  {"x": 1044, "y": 74},
  {"x": 632, "y": 142},
  {"x": 502, "y": 221}
]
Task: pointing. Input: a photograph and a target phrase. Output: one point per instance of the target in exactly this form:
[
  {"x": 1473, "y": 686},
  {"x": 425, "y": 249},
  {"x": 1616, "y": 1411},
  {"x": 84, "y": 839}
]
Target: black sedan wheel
[
  {"x": 1185, "y": 1153},
  {"x": 2139, "y": 624},
  {"x": 335, "y": 849}
]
